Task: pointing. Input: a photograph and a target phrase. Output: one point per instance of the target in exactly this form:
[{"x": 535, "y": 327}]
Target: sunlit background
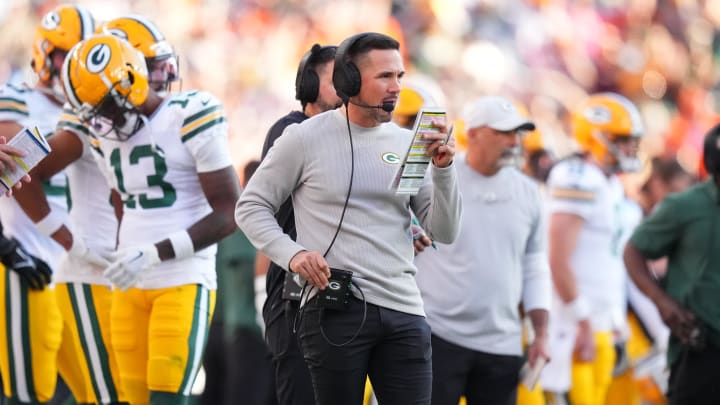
[{"x": 546, "y": 54}]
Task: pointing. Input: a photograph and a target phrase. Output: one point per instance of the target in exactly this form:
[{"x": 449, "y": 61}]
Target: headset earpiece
[
  {"x": 307, "y": 82},
  {"x": 346, "y": 76}
]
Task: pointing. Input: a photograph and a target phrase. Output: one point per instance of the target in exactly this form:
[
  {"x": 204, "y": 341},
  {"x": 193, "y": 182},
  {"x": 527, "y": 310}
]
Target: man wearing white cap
[{"x": 473, "y": 287}]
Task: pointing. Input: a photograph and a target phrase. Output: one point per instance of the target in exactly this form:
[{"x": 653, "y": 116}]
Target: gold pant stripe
[
  {"x": 91, "y": 339},
  {"x": 198, "y": 334},
  {"x": 19, "y": 340}
]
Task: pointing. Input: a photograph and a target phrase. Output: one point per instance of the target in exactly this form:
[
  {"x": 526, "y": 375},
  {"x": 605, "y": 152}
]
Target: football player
[
  {"x": 30, "y": 341},
  {"x": 589, "y": 278},
  {"x": 87, "y": 362},
  {"x": 169, "y": 160}
]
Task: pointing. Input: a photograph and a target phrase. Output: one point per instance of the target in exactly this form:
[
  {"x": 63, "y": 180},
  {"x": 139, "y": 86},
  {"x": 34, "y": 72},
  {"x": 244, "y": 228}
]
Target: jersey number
[{"x": 154, "y": 180}]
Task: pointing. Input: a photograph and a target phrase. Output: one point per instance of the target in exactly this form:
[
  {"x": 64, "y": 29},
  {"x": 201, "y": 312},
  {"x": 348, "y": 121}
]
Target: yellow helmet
[
  {"x": 601, "y": 121},
  {"x": 144, "y": 35},
  {"x": 105, "y": 77},
  {"x": 415, "y": 94},
  {"x": 531, "y": 141},
  {"x": 59, "y": 30}
]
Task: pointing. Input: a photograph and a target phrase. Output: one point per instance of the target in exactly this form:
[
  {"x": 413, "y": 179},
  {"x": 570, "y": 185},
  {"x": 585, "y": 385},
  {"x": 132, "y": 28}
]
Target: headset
[
  {"x": 307, "y": 82},
  {"x": 346, "y": 75}
]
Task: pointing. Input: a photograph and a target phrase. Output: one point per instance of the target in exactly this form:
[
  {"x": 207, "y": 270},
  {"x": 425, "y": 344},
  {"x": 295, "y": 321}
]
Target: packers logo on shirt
[{"x": 391, "y": 158}]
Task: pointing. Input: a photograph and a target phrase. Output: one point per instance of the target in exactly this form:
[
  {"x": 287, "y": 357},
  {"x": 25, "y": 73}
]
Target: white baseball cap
[{"x": 497, "y": 113}]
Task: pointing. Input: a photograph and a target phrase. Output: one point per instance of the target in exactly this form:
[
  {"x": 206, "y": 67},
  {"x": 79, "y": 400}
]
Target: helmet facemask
[
  {"x": 162, "y": 71},
  {"x": 114, "y": 117},
  {"x": 623, "y": 162}
]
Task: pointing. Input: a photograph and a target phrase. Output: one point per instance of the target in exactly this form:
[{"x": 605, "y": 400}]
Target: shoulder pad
[
  {"x": 573, "y": 179},
  {"x": 201, "y": 110},
  {"x": 13, "y": 99}
]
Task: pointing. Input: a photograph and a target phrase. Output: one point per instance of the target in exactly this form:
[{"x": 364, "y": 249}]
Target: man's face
[
  {"x": 499, "y": 146},
  {"x": 380, "y": 72},
  {"x": 327, "y": 97}
]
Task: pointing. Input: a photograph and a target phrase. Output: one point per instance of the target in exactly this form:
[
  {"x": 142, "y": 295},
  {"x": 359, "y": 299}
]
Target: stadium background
[{"x": 547, "y": 54}]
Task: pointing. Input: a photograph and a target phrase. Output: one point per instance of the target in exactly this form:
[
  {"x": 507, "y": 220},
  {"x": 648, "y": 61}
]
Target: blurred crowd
[{"x": 547, "y": 54}]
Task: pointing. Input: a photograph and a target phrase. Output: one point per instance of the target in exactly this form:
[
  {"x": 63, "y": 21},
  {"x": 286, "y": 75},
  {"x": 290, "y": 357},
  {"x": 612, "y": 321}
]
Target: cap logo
[
  {"x": 98, "y": 58},
  {"x": 598, "y": 115},
  {"x": 507, "y": 106},
  {"x": 51, "y": 21}
]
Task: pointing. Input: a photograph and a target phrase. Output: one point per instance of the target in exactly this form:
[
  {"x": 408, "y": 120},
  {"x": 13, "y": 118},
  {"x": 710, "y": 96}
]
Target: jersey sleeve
[
  {"x": 572, "y": 189},
  {"x": 205, "y": 133},
  {"x": 13, "y": 103},
  {"x": 69, "y": 121},
  {"x": 657, "y": 235}
]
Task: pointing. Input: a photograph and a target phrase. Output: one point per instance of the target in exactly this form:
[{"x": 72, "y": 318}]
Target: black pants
[
  {"x": 392, "y": 348},
  {"x": 238, "y": 371},
  {"x": 695, "y": 378},
  {"x": 484, "y": 378},
  {"x": 292, "y": 378}
]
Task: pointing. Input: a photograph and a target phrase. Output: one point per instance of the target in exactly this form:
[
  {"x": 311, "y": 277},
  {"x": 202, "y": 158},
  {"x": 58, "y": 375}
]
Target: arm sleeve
[
  {"x": 657, "y": 235},
  {"x": 438, "y": 205},
  {"x": 269, "y": 187},
  {"x": 205, "y": 133},
  {"x": 537, "y": 282}
]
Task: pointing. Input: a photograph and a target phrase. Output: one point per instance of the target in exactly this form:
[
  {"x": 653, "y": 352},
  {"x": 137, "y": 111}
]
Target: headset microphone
[{"x": 387, "y": 106}]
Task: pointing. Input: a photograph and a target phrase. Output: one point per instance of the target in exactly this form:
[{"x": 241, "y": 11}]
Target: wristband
[
  {"x": 182, "y": 245},
  {"x": 51, "y": 223},
  {"x": 579, "y": 309}
]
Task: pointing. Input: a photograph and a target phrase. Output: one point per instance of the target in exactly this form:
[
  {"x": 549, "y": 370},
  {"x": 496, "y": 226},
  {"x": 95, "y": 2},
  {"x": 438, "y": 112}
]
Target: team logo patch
[
  {"x": 98, "y": 58},
  {"x": 391, "y": 158},
  {"x": 51, "y": 21},
  {"x": 598, "y": 115},
  {"x": 334, "y": 285}
]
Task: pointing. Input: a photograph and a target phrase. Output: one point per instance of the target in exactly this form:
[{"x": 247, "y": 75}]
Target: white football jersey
[
  {"x": 92, "y": 215},
  {"x": 156, "y": 172},
  {"x": 31, "y": 108},
  {"x": 577, "y": 187}
]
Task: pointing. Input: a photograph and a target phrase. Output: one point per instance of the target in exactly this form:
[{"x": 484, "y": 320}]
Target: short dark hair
[{"x": 370, "y": 41}]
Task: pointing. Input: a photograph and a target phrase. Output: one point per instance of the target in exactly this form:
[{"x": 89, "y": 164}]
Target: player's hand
[
  {"x": 7, "y": 164},
  {"x": 585, "y": 342},
  {"x": 312, "y": 266},
  {"x": 680, "y": 321},
  {"x": 420, "y": 239},
  {"x": 125, "y": 270},
  {"x": 80, "y": 251},
  {"x": 32, "y": 270},
  {"x": 539, "y": 348},
  {"x": 442, "y": 152}
]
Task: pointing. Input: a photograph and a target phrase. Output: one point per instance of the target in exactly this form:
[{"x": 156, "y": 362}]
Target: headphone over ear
[
  {"x": 346, "y": 75},
  {"x": 307, "y": 81}
]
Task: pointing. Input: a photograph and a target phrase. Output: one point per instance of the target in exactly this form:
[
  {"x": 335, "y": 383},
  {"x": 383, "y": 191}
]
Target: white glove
[
  {"x": 125, "y": 271},
  {"x": 80, "y": 251}
]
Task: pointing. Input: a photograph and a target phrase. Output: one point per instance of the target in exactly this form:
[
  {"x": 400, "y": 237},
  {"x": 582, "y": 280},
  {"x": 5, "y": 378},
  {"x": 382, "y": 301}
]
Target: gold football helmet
[
  {"x": 415, "y": 93},
  {"x": 144, "y": 35},
  {"x": 58, "y": 31},
  {"x": 105, "y": 80},
  {"x": 601, "y": 122}
]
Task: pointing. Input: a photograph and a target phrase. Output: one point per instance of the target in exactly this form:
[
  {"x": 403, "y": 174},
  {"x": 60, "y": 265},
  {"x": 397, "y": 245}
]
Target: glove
[
  {"x": 125, "y": 270},
  {"x": 80, "y": 251},
  {"x": 35, "y": 272}
]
